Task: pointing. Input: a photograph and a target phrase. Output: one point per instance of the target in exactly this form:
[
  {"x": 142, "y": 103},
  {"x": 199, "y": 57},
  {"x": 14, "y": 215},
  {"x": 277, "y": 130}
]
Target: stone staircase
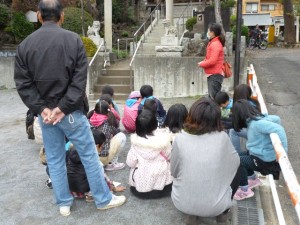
[
  {"x": 117, "y": 76},
  {"x": 152, "y": 40}
]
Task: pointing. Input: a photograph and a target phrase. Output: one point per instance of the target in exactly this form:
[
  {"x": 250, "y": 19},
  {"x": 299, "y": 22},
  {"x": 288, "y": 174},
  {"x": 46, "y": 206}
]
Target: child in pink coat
[
  {"x": 131, "y": 111},
  {"x": 149, "y": 159}
]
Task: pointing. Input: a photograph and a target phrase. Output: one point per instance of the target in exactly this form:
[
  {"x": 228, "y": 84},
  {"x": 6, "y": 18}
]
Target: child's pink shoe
[
  {"x": 240, "y": 194},
  {"x": 254, "y": 183}
]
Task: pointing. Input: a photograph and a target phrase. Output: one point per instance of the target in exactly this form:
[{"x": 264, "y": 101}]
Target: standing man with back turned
[{"x": 51, "y": 76}]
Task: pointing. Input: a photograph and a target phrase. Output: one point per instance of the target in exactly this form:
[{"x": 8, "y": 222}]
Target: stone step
[
  {"x": 149, "y": 44},
  {"x": 113, "y": 80},
  {"x": 153, "y": 39},
  {"x": 118, "y": 88},
  {"x": 147, "y": 48},
  {"x": 118, "y": 97},
  {"x": 157, "y": 32},
  {"x": 116, "y": 72},
  {"x": 147, "y": 54}
]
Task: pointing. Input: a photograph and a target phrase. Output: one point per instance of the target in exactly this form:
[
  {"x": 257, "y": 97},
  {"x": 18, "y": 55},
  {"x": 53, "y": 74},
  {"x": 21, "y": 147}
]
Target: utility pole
[{"x": 237, "y": 57}]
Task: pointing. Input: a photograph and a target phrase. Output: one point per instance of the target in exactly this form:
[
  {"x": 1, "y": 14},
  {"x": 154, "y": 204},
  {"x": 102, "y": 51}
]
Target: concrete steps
[
  {"x": 118, "y": 77},
  {"x": 152, "y": 40}
]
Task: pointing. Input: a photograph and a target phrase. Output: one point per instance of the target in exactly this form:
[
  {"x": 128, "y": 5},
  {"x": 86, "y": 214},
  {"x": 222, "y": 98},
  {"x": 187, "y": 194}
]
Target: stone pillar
[
  {"x": 169, "y": 11},
  {"x": 243, "y": 46},
  {"x": 229, "y": 43},
  {"x": 108, "y": 23}
]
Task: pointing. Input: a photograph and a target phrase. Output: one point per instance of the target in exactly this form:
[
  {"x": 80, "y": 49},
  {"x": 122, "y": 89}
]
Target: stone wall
[
  {"x": 175, "y": 77},
  {"x": 7, "y": 72}
]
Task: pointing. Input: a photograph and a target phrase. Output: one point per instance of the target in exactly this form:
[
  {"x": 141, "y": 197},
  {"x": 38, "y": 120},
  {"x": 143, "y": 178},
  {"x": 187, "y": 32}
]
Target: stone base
[
  {"x": 169, "y": 51},
  {"x": 168, "y": 54},
  {"x": 169, "y": 40}
]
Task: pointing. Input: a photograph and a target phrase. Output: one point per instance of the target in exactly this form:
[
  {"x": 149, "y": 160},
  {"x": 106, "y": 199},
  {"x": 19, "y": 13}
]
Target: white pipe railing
[
  {"x": 91, "y": 62},
  {"x": 282, "y": 158},
  {"x": 90, "y": 80}
]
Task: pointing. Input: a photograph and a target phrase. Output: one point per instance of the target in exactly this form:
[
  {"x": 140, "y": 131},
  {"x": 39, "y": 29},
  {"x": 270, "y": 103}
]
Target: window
[
  {"x": 251, "y": 7},
  {"x": 268, "y": 7}
]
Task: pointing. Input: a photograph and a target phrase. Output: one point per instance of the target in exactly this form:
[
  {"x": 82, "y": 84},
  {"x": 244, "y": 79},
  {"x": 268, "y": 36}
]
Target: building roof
[{"x": 260, "y": 19}]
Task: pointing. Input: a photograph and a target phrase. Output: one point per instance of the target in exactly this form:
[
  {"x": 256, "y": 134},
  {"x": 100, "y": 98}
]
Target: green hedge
[
  {"x": 73, "y": 20},
  {"x": 4, "y": 15},
  {"x": 19, "y": 26},
  {"x": 244, "y": 32},
  {"x": 89, "y": 45},
  {"x": 190, "y": 23}
]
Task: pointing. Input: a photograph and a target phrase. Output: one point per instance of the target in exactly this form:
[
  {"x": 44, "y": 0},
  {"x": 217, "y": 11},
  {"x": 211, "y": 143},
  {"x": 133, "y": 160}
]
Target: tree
[
  {"x": 82, "y": 18},
  {"x": 24, "y": 5},
  {"x": 289, "y": 22},
  {"x": 218, "y": 14}
]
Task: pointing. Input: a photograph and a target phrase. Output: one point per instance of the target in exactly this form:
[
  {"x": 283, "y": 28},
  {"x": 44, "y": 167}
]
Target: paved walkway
[{"x": 25, "y": 198}]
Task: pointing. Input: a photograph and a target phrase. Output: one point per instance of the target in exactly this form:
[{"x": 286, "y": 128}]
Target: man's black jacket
[{"x": 51, "y": 70}]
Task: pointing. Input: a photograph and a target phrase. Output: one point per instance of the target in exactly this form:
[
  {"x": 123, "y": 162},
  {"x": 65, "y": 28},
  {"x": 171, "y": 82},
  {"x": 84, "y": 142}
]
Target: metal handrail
[
  {"x": 282, "y": 158},
  {"x": 90, "y": 82},
  {"x": 91, "y": 62},
  {"x": 186, "y": 10},
  {"x": 137, "y": 43},
  {"x": 143, "y": 26}
]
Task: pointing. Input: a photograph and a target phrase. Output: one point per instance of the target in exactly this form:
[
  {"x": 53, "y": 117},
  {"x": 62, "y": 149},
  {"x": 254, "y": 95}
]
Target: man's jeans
[
  {"x": 214, "y": 84},
  {"x": 76, "y": 128}
]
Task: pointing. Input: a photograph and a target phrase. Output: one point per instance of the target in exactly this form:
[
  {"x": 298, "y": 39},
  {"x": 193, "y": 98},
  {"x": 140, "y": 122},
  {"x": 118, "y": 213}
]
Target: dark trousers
[
  {"x": 236, "y": 181},
  {"x": 214, "y": 84},
  {"x": 248, "y": 167},
  {"x": 252, "y": 163},
  {"x": 152, "y": 194}
]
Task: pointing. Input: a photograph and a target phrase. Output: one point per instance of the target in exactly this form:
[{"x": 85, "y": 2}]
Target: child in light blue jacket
[{"x": 261, "y": 155}]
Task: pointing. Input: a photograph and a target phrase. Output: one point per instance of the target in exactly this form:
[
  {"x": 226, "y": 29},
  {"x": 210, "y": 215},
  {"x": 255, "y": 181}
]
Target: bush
[
  {"x": 232, "y": 20},
  {"x": 19, "y": 26},
  {"x": 73, "y": 20},
  {"x": 122, "y": 53},
  {"x": 4, "y": 15},
  {"x": 89, "y": 45},
  {"x": 125, "y": 34},
  {"x": 244, "y": 32},
  {"x": 190, "y": 23},
  {"x": 227, "y": 3}
]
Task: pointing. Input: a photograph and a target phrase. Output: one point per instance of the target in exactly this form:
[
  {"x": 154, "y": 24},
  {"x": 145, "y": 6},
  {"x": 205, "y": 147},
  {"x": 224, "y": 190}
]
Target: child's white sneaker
[
  {"x": 114, "y": 166},
  {"x": 115, "y": 202}
]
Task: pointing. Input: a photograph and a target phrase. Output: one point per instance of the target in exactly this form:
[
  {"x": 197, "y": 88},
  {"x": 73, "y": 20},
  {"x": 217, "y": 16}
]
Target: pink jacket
[
  {"x": 213, "y": 62},
  {"x": 150, "y": 157},
  {"x": 97, "y": 119},
  {"x": 129, "y": 117}
]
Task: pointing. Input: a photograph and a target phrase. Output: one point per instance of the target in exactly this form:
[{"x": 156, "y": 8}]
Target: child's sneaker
[
  {"x": 114, "y": 166},
  {"x": 254, "y": 183},
  {"x": 240, "y": 194},
  {"x": 89, "y": 197},
  {"x": 114, "y": 202},
  {"x": 49, "y": 184}
]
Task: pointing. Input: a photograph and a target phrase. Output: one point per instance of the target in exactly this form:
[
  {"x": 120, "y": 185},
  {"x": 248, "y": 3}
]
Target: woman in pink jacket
[{"x": 213, "y": 62}]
